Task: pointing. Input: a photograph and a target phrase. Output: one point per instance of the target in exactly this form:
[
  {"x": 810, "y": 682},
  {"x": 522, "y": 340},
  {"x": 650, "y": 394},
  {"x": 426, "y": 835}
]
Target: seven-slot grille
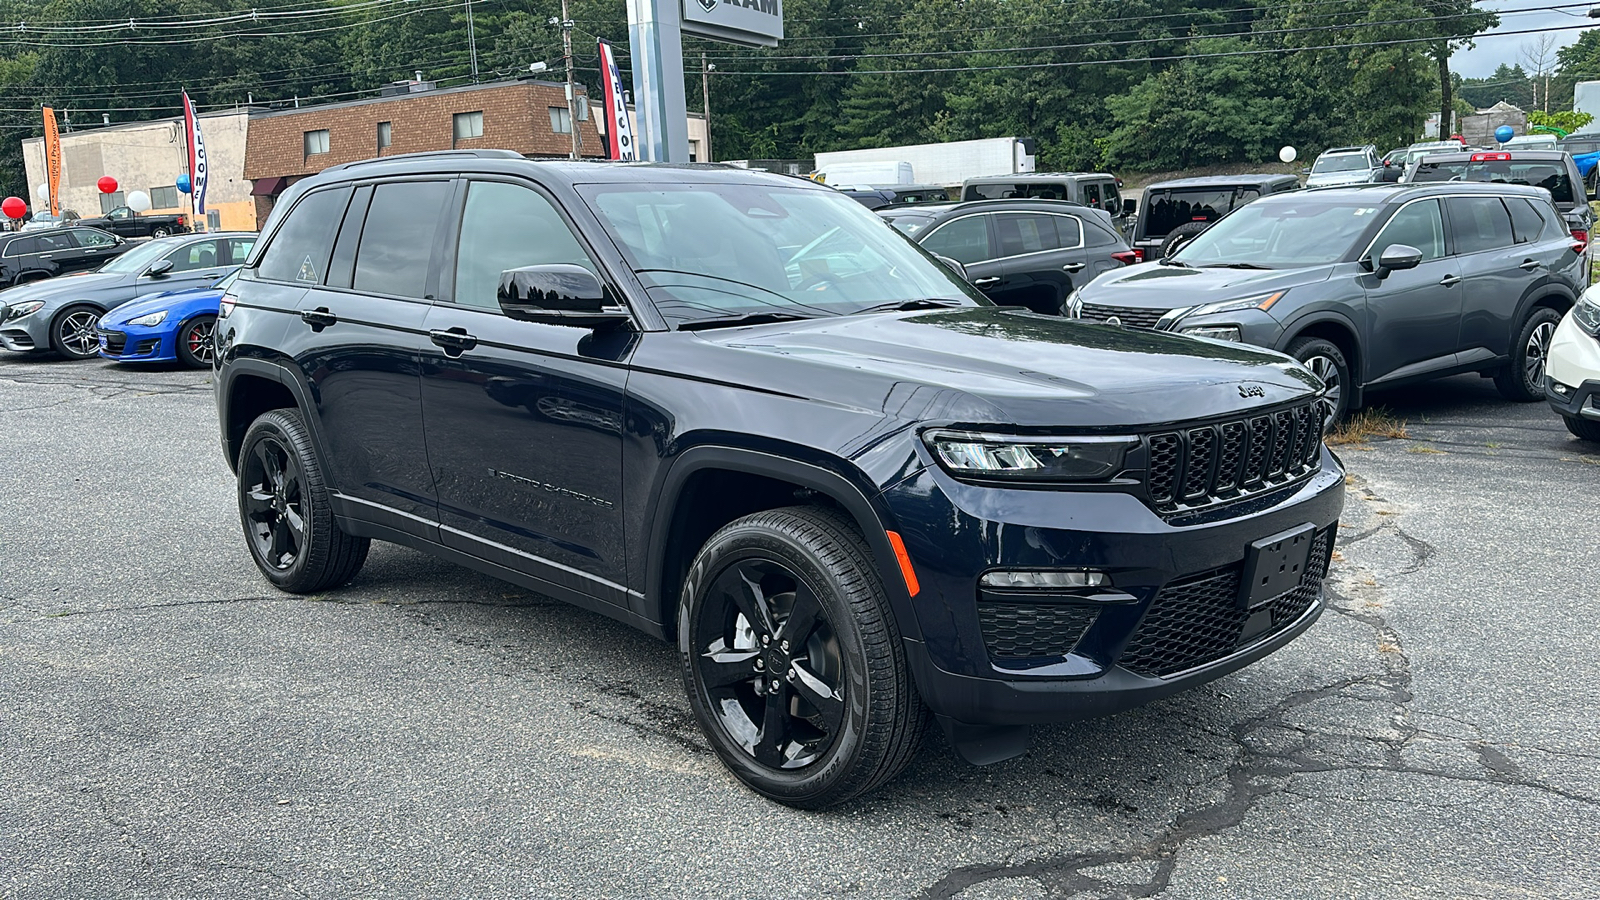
[
  {"x": 1197, "y": 467},
  {"x": 1132, "y": 316},
  {"x": 1197, "y": 619}
]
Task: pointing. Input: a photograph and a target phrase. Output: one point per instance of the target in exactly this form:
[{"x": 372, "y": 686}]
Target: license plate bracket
[{"x": 1275, "y": 564}]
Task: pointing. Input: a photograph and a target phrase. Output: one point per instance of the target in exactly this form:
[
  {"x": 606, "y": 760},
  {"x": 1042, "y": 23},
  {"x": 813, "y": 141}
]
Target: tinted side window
[
  {"x": 398, "y": 239},
  {"x": 1112, "y": 195},
  {"x": 1027, "y": 233},
  {"x": 507, "y": 226},
  {"x": 200, "y": 255},
  {"x": 49, "y": 243},
  {"x": 1418, "y": 225},
  {"x": 1526, "y": 223},
  {"x": 21, "y": 246},
  {"x": 1091, "y": 195},
  {"x": 966, "y": 240},
  {"x": 91, "y": 238},
  {"x": 1479, "y": 223},
  {"x": 300, "y": 249},
  {"x": 238, "y": 249}
]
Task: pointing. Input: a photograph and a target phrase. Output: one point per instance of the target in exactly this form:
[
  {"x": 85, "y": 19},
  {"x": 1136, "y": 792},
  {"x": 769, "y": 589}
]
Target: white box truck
[{"x": 941, "y": 164}]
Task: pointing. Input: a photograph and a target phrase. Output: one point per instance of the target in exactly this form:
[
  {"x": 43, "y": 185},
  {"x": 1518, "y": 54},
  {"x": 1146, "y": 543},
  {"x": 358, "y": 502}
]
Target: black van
[{"x": 1174, "y": 211}]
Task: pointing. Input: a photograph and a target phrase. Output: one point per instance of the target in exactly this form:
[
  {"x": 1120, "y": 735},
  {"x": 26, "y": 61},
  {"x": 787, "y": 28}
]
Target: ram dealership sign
[{"x": 754, "y": 23}]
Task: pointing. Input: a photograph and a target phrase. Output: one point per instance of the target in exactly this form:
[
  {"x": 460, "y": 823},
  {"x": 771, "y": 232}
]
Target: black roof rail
[{"x": 431, "y": 154}]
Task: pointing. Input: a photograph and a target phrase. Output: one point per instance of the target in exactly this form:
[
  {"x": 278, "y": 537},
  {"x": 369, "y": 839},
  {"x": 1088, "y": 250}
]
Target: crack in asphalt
[{"x": 1258, "y": 772}]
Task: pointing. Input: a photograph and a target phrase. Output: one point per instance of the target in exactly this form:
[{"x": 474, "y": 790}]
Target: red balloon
[
  {"x": 14, "y": 208},
  {"x": 107, "y": 184}
]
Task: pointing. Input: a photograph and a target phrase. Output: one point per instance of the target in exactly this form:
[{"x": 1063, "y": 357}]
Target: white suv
[
  {"x": 1572, "y": 372},
  {"x": 1344, "y": 165}
]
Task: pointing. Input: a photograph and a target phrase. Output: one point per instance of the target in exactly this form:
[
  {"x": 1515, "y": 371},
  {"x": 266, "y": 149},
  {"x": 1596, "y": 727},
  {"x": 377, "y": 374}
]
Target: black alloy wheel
[
  {"x": 1522, "y": 379},
  {"x": 283, "y": 506},
  {"x": 195, "y": 346},
  {"x": 1327, "y": 362},
  {"x": 792, "y": 662},
  {"x": 73, "y": 334}
]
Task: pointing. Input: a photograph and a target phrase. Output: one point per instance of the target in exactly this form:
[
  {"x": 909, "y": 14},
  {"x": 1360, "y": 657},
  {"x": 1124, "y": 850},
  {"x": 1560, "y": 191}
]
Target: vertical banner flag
[
  {"x": 197, "y": 157},
  {"x": 619, "y": 134},
  {"x": 52, "y": 159}
]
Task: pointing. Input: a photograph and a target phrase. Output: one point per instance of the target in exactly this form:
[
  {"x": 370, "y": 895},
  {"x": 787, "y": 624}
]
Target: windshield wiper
[
  {"x": 1236, "y": 265},
  {"x": 903, "y": 305},
  {"x": 755, "y": 318}
]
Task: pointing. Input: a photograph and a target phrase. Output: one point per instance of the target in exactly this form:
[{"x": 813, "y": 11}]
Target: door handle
[
  {"x": 1450, "y": 281},
  {"x": 1072, "y": 268},
  {"x": 454, "y": 341},
  {"x": 985, "y": 282},
  {"x": 1529, "y": 265},
  {"x": 318, "y": 318}
]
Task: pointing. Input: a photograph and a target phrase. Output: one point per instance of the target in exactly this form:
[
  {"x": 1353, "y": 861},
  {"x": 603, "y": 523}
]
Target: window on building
[
  {"x": 468, "y": 125},
  {"x": 164, "y": 197},
  {"x": 111, "y": 201},
  {"x": 385, "y": 135},
  {"x": 560, "y": 120},
  {"x": 316, "y": 142}
]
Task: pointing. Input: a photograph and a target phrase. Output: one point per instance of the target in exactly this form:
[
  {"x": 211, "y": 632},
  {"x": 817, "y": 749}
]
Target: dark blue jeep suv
[{"x": 740, "y": 412}]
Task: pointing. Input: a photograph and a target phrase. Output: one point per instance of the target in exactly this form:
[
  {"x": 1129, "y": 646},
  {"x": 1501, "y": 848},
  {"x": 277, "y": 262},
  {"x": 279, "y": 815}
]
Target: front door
[
  {"x": 94, "y": 248},
  {"x": 524, "y": 421},
  {"x": 195, "y": 264},
  {"x": 1413, "y": 315}
]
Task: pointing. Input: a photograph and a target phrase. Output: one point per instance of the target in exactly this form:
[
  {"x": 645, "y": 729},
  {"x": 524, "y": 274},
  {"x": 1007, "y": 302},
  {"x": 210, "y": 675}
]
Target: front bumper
[
  {"x": 31, "y": 332},
  {"x": 1170, "y": 620},
  {"x": 131, "y": 343},
  {"x": 1572, "y": 372}
]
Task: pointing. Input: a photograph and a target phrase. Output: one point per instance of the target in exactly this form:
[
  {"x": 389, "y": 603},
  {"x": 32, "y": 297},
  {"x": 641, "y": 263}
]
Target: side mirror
[
  {"x": 1305, "y": 170},
  {"x": 159, "y": 269},
  {"x": 956, "y": 267},
  {"x": 1129, "y": 206},
  {"x": 557, "y": 294},
  {"x": 1398, "y": 257}
]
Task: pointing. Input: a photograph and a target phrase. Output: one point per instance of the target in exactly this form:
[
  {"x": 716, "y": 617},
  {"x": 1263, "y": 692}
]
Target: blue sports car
[{"x": 175, "y": 325}]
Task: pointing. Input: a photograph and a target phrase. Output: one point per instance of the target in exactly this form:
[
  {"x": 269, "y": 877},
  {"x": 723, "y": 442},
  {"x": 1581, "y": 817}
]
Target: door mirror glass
[
  {"x": 557, "y": 294},
  {"x": 1397, "y": 257},
  {"x": 956, "y": 267},
  {"x": 159, "y": 269},
  {"x": 1129, "y": 206}
]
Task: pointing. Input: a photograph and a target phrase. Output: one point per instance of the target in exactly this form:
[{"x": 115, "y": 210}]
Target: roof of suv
[
  {"x": 1493, "y": 155},
  {"x": 1385, "y": 192},
  {"x": 1248, "y": 180},
  {"x": 1036, "y": 176}
]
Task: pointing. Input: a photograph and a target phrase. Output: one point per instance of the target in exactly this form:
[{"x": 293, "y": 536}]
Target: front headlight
[
  {"x": 1072, "y": 307},
  {"x": 1259, "y": 301},
  {"x": 25, "y": 308},
  {"x": 150, "y": 320},
  {"x": 1215, "y": 332},
  {"x": 1587, "y": 312},
  {"x": 1027, "y": 457}
]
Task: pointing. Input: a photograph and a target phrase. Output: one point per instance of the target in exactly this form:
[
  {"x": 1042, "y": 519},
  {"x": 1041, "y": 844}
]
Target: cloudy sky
[{"x": 1494, "y": 48}]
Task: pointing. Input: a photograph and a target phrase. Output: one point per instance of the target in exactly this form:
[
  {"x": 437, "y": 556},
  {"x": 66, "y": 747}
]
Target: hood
[
  {"x": 1157, "y": 286},
  {"x": 80, "y": 283},
  {"x": 989, "y": 365}
]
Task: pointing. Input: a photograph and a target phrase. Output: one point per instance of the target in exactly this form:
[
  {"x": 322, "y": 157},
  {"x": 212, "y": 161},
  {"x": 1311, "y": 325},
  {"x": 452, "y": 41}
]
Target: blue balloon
[
  {"x": 184, "y": 184},
  {"x": 1504, "y": 133}
]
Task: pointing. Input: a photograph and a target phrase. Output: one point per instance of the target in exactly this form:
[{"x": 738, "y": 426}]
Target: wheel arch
[
  {"x": 709, "y": 486},
  {"x": 249, "y": 388},
  {"x": 1340, "y": 332}
]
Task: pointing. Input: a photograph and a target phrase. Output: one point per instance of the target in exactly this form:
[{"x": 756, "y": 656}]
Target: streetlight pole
[
  {"x": 566, "y": 50},
  {"x": 705, "y": 101},
  {"x": 472, "y": 42}
]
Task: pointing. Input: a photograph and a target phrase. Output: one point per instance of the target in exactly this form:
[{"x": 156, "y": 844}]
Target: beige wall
[{"x": 145, "y": 155}]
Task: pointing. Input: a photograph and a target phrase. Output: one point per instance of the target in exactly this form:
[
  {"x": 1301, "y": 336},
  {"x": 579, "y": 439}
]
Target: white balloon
[
  {"x": 139, "y": 201},
  {"x": 44, "y": 192},
  {"x": 1287, "y": 154}
]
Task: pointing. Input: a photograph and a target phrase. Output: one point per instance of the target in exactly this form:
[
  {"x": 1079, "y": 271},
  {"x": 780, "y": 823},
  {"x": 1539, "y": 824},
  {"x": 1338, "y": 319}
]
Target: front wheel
[
  {"x": 73, "y": 335},
  {"x": 195, "y": 347},
  {"x": 1327, "y": 362},
  {"x": 1522, "y": 379},
  {"x": 283, "y": 505},
  {"x": 792, "y": 661}
]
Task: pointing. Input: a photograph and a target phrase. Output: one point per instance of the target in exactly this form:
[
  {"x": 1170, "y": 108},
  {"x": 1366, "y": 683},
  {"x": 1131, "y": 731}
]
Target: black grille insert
[
  {"x": 115, "y": 340},
  {"x": 1197, "y": 619},
  {"x": 1132, "y": 316},
  {"x": 1193, "y": 468},
  {"x": 1033, "y": 630}
]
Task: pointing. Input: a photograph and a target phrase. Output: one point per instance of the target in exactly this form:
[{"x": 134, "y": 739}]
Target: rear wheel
[
  {"x": 1326, "y": 361},
  {"x": 1522, "y": 379},
  {"x": 792, "y": 661},
  {"x": 72, "y": 334},
  {"x": 195, "y": 348},
  {"x": 160, "y": 231},
  {"x": 1587, "y": 429}
]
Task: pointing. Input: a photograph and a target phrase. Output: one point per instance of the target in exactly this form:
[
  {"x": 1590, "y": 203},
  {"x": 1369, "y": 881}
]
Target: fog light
[
  {"x": 1043, "y": 579},
  {"x": 1560, "y": 388}
]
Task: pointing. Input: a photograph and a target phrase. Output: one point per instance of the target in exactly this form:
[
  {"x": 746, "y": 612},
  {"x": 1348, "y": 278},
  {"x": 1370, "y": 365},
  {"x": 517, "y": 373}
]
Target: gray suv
[{"x": 1370, "y": 287}]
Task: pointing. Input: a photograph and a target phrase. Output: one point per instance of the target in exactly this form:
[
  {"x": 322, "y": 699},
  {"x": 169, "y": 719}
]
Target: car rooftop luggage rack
[{"x": 1195, "y": 468}]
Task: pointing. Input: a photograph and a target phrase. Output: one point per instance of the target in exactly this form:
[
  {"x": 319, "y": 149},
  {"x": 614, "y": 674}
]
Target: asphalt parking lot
[{"x": 172, "y": 727}]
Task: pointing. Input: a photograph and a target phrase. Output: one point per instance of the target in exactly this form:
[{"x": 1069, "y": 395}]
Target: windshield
[
  {"x": 1296, "y": 232},
  {"x": 138, "y": 259},
  {"x": 910, "y": 224},
  {"x": 1347, "y": 162},
  {"x": 1550, "y": 174},
  {"x": 711, "y": 251},
  {"x": 1171, "y": 208}
]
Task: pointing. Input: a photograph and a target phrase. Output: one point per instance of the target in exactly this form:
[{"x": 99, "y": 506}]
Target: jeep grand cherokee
[{"x": 742, "y": 413}]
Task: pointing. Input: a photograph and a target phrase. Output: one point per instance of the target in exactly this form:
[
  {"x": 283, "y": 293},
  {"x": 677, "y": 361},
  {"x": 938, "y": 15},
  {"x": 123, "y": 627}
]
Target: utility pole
[
  {"x": 566, "y": 50},
  {"x": 472, "y": 40},
  {"x": 705, "y": 101}
]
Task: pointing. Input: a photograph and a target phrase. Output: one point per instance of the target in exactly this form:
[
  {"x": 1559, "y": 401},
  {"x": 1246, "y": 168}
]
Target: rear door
[
  {"x": 95, "y": 247},
  {"x": 1413, "y": 316},
  {"x": 1041, "y": 256},
  {"x": 1496, "y": 271},
  {"x": 969, "y": 240},
  {"x": 58, "y": 253},
  {"x": 195, "y": 264}
]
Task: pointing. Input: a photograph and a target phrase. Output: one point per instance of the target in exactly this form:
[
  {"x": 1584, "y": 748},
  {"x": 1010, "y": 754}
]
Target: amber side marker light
[{"x": 905, "y": 562}]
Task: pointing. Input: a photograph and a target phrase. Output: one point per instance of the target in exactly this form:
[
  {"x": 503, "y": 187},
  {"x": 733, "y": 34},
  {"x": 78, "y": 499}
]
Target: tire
[
  {"x": 160, "y": 232},
  {"x": 1522, "y": 379},
  {"x": 280, "y": 480},
  {"x": 1586, "y": 429},
  {"x": 1181, "y": 235},
  {"x": 749, "y": 586},
  {"x": 72, "y": 332},
  {"x": 196, "y": 347},
  {"x": 1325, "y": 359}
]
